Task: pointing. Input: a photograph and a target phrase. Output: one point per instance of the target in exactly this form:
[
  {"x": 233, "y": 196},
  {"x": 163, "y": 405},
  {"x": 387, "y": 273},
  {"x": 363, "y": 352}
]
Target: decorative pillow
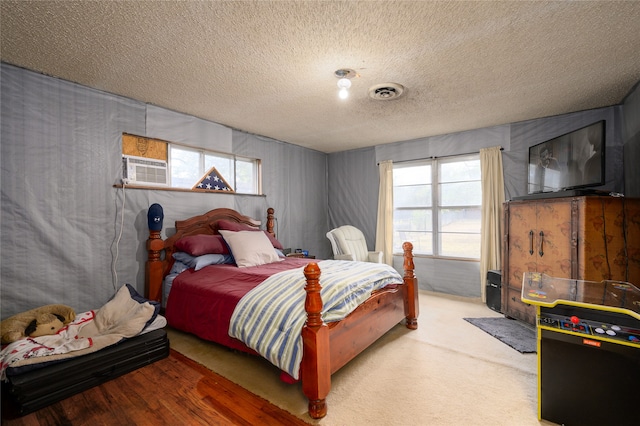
[
  {"x": 235, "y": 226},
  {"x": 250, "y": 248},
  {"x": 199, "y": 262},
  {"x": 197, "y": 245}
]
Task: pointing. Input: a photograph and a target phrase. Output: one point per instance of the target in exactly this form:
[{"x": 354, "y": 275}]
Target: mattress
[{"x": 28, "y": 390}]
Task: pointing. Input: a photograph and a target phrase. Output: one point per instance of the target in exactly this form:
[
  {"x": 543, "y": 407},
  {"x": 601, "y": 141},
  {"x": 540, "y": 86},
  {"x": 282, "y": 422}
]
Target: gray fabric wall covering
[
  {"x": 295, "y": 184},
  {"x": 353, "y": 192},
  {"x": 61, "y": 217},
  {"x": 631, "y": 140},
  {"x": 188, "y": 130},
  {"x": 444, "y": 275},
  {"x": 61, "y": 154},
  {"x": 528, "y": 133},
  {"x": 62, "y": 223}
]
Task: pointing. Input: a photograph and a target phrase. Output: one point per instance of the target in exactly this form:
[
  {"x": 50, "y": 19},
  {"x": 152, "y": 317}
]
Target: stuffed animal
[
  {"x": 36, "y": 322},
  {"x": 45, "y": 324}
]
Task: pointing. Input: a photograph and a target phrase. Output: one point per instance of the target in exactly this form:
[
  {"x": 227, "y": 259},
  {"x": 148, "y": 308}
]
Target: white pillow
[{"x": 250, "y": 248}]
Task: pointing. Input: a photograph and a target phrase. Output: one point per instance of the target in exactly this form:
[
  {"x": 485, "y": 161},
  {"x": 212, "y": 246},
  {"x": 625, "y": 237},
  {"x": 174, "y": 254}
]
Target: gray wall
[
  {"x": 631, "y": 140},
  {"x": 67, "y": 235},
  {"x": 353, "y": 191},
  {"x": 353, "y": 181}
]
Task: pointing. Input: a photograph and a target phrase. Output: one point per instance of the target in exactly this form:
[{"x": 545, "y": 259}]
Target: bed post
[
  {"x": 270, "y": 221},
  {"x": 411, "y": 307},
  {"x": 315, "y": 371},
  {"x": 154, "y": 267}
]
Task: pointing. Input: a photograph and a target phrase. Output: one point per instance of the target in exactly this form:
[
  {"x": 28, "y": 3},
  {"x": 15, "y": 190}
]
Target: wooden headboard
[{"x": 160, "y": 252}]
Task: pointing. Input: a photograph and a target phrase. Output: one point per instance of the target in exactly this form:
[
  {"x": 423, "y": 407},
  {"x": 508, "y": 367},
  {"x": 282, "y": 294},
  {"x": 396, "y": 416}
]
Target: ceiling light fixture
[{"x": 344, "y": 83}]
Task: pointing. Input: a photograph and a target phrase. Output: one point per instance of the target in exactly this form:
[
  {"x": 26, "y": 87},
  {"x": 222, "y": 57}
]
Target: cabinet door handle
[
  {"x": 531, "y": 242},
  {"x": 541, "y": 251}
]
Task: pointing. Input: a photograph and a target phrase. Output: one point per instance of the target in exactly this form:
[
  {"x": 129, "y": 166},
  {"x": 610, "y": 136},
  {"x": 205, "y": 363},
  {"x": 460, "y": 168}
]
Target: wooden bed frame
[{"x": 327, "y": 347}]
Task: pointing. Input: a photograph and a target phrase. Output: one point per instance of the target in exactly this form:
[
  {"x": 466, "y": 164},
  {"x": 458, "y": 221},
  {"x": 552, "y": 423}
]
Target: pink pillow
[
  {"x": 227, "y": 225},
  {"x": 197, "y": 245}
]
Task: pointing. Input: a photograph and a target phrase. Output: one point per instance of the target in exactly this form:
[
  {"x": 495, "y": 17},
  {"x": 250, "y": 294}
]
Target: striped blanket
[{"x": 269, "y": 319}]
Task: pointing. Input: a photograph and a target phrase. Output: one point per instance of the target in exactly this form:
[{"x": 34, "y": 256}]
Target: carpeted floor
[{"x": 448, "y": 372}]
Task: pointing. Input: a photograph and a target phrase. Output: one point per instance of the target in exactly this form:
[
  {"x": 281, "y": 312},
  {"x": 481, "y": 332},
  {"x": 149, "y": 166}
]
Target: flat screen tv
[{"x": 570, "y": 161}]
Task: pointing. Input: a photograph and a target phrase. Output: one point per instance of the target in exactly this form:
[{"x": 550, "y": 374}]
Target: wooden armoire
[{"x": 590, "y": 238}]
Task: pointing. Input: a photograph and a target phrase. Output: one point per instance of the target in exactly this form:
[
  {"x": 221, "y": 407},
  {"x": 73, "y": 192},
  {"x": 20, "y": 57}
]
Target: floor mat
[{"x": 519, "y": 336}]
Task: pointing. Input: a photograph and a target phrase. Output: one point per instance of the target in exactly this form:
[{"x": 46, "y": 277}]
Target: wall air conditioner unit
[{"x": 144, "y": 171}]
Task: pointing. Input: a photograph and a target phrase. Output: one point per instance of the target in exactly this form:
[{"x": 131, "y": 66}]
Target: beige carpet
[{"x": 448, "y": 372}]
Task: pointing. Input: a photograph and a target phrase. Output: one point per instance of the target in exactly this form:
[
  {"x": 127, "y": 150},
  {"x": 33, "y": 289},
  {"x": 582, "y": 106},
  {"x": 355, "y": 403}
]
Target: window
[
  {"x": 436, "y": 206},
  {"x": 188, "y": 165}
]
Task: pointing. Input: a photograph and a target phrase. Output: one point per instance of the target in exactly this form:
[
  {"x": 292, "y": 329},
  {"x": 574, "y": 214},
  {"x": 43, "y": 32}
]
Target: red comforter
[{"x": 202, "y": 302}]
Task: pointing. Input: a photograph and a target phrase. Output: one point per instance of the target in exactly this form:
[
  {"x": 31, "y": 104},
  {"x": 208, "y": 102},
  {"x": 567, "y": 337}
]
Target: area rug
[{"x": 509, "y": 331}]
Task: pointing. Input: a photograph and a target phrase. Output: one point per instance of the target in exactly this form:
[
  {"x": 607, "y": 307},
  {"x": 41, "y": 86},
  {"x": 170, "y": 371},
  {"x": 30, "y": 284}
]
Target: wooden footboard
[{"x": 329, "y": 347}]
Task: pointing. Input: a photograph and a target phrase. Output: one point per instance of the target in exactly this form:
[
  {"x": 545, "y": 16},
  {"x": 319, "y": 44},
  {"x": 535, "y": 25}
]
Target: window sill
[
  {"x": 430, "y": 256},
  {"x": 168, "y": 188}
]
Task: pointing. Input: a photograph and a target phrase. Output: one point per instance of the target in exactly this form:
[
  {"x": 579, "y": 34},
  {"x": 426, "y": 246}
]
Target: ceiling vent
[{"x": 386, "y": 91}]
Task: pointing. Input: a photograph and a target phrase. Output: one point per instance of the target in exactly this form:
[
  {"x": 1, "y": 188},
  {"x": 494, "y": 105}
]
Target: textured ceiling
[{"x": 268, "y": 67}]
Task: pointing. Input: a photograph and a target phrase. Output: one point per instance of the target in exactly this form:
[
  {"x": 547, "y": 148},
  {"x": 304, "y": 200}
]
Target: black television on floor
[{"x": 571, "y": 161}]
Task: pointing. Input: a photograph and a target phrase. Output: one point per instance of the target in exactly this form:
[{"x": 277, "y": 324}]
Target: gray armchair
[{"x": 348, "y": 243}]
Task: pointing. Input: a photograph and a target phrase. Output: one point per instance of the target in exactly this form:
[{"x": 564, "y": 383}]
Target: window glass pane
[
  {"x": 413, "y": 220},
  {"x": 185, "y": 167},
  {"x": 246, "y": 181},
  {"x": 460, "y": 220},
  {"x": 457, "y": 171},
  {"x": 458, "y": 197},
  {"x": 224, "y": 166},
  {"x": 188, "y": 165},
  {"x": 461, "y": 194},
  {"x": 412, "y": 199},
  {"x": 412, "y": 175},
  {"x": 414, "y": 225},
  {"x": 460, "y": 232},
  {"x": 422, "y": 242},
  {"x": 412, "y": 196},
  {"x": 460, "y": 245}
]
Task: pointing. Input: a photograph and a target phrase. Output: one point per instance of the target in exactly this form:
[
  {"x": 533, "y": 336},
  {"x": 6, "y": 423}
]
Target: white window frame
[
  {"x": 428, "y": 237},
  {"x": 250, "y": 186}
]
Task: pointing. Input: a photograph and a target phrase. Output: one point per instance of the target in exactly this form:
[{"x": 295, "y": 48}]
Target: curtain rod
[{"x": 434, "y": 157}]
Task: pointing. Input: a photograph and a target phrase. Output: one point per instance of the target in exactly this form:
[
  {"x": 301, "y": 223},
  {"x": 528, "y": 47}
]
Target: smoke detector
[{"x": 386, "y": 91}]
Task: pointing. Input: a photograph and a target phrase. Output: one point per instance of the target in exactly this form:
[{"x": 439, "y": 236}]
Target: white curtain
[
  {"x": 384, "y": 228},
  {"x": 492, "y": 200}
]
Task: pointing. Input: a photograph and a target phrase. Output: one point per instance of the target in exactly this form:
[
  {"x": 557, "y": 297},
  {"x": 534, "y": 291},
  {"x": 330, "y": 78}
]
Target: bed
[{"x": 325, "y": 346}]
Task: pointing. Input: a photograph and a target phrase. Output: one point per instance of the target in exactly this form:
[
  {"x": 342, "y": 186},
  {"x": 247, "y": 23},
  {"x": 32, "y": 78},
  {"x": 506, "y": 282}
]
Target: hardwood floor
[{"x": 172, "y": 391}]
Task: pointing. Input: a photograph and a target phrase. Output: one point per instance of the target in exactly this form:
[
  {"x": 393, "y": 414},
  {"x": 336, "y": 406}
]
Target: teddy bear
[{"x": 36, "y": 322}]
